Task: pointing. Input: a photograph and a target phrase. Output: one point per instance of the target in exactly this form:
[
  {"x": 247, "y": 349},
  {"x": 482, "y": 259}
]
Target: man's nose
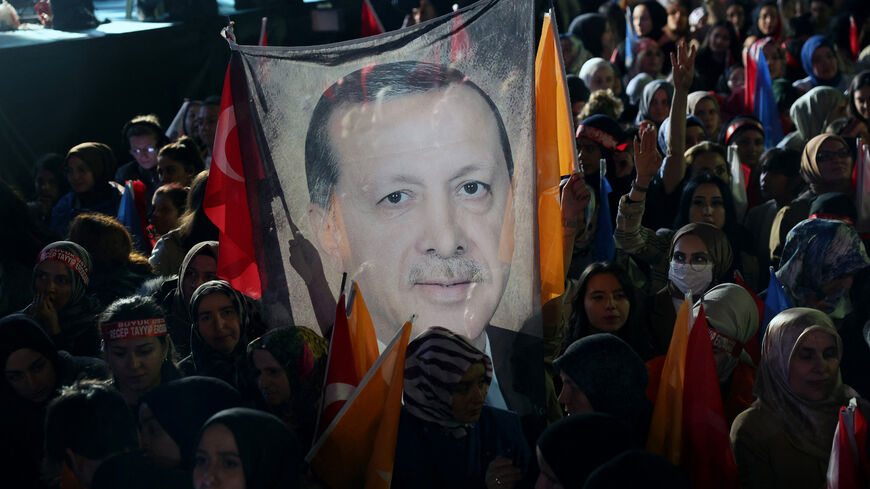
[{"x": 443, "y": 234}]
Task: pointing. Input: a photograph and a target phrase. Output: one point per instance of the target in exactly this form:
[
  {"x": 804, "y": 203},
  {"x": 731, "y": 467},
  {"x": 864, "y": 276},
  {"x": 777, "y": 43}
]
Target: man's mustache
[{"x": 450, "y": 270}]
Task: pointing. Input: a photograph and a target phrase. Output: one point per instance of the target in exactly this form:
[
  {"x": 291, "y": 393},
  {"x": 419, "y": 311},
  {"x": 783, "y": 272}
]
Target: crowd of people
[{"x": 129, "y": 363}]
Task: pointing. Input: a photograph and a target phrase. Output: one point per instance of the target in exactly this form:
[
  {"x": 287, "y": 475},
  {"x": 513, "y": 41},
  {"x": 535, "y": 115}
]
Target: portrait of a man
[{"x": 409, "y": 175}]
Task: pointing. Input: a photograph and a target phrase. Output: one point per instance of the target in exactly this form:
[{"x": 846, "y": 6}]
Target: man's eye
[
  {"x": 474, "y": 188},
  {"x": 395, "y": 198}
]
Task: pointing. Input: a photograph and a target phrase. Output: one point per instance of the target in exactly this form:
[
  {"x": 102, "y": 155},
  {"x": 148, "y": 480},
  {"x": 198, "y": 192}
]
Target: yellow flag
[
  {"x": 556, "y": 155},
  {"x": 666, "y": 428},
  {"x": 358, "y": 448},
  {"x": 363, "y": 340}
]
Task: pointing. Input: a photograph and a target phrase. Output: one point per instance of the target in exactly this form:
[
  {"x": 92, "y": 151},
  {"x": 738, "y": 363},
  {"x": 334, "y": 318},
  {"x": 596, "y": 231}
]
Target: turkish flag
[
  {"x": 226, "y": 201},
  {"x": 341, "y": 375},
  {"x": 371, "y": 24}
]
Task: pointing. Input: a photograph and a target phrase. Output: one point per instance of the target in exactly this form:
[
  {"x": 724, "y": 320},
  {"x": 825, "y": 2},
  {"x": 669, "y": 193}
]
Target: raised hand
[
  {"x": 575, "y": 198},
  {"x": 647, "y": 159},
  {"x": 683, "y": 62}
]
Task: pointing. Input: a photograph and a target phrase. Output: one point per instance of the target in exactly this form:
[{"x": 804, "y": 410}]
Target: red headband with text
[
  {"x": 740, "y": 125},
  {"x": 134, "y": 328},
  {"x": 67, "y": 258},
  {"x": 600, "y": 137},
  {"x": 725, "y": 343}
]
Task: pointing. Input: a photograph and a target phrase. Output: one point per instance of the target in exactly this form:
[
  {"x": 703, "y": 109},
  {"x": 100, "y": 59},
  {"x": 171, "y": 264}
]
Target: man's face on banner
[{"x": 419, "y": 208}]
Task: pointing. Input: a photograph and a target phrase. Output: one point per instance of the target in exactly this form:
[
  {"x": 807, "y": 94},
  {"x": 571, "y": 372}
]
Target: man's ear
[{"x": 329, "y": 236}]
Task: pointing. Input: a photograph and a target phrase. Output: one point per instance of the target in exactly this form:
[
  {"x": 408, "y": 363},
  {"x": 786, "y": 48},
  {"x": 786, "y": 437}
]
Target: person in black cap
[{"x": 578, "y": 93}]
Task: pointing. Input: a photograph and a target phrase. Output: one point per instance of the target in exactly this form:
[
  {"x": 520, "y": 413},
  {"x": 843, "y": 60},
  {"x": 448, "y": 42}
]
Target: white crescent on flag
[{"x": 225, "y": 125}]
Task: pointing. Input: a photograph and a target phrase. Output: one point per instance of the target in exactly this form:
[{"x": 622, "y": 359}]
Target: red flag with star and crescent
[{"x": 226, "y": 201}]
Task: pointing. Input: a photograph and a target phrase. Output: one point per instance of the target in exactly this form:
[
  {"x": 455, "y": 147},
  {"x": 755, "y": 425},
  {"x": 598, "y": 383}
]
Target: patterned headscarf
[
  {"x": 816, "y": 252},
  {"x": 435, "y": 363},
  {"x": 299, "y": 350},
  {"x": 810, "y": 425},
  {"x": 733, "y": 315}
]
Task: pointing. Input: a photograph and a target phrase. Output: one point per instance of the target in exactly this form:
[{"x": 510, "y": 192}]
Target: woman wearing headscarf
[
  {"x": 699, "y": 258},
  {"x": 784, "y": 440},
  {"x": 826, "y": 166},
  {"x": 447, "y": 436},
  {"x": 732, "y": 318},
  {"x": 288, "y": 365},
  {"x": 819, "y": 62},
  {"x": 171, "y": 415},
  {"x": 719, "y": 51},
  {"x": 811, "y": 114},
  {"x": 602, "y": 373},
  {"x": 598, "y": 74},
  {"x": 89, "y": 168},
  {"x": 704, "y": 106},
  {"x": 242, "y": 447},
  {"x": 655, "y": 104},
  {"x": 60, "y": 303},
  {"x": 649, "y": 19},
  {"x": 571, "y": 449},
  {"x": 765, "y": 21},
  {"x": 33, "y": 373},
  {"x": 219, "y": 334},
  {"x": 594, "y": 33},
  {"x": 822, "y": 267}
]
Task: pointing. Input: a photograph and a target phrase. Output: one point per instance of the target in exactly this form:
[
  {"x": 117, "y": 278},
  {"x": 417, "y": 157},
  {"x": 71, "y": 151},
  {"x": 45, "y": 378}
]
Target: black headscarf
[
  {"x": 183, "y": 405},
  {"x": 19, "y": 331},
  {"x": 658, "y": 15},
  {"x": 206, "y": 359},
  {"x": 178, "y": 318},
  {"x": 575, "y": 446},
  {"x": 589, "y": 28},
  {"x": 612, "y": 376},
  {"x": 271, "y": 455},
  {"x": 637, "y": 468},
  {"x": 100, "y": 160}
]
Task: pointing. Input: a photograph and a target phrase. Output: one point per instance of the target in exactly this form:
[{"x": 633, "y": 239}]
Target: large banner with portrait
[{"x": 405, "y": 160}]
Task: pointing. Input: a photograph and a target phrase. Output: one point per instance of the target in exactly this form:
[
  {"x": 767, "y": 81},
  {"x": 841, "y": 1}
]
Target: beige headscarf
[
  {"x": 731, "y": 311},
  {"x": 810, "y": 169},
  {"x": 717, "y": 246},
  {"x": 809, "y": 425},
  {"x": 810, "y": 112}
]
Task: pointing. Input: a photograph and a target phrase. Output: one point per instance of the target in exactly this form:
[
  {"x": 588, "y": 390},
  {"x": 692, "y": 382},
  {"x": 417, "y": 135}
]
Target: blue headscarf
[
  {"x": 649, "y": 92},
  {"x": 807, "y": 51},
  {"x": 816, "y": 252},
  {"x": 665, "y": 131}
]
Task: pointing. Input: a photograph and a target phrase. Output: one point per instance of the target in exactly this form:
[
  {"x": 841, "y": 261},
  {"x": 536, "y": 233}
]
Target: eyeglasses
[
  {"x": 138, "y": 151},
  {"x": 824, "y": 156}
]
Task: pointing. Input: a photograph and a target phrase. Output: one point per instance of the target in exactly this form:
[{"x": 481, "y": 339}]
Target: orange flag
[
  {"x": 666, "y": 428},
  {"x": 358, "y": 448},
  {"x": 363, "y": 340},
  {"x": 555, "y": 153}
]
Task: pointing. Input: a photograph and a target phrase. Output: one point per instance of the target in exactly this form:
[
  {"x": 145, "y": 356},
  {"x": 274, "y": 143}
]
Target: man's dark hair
[
  {"x": 782, "y": 161},
  {"x": 91, "y": 419},
  {"x": 145, "y": 125},
  {"x": 376, "y": 83}
]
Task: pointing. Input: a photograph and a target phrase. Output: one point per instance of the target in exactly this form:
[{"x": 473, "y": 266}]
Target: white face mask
[{"x": 696, "y": 278}]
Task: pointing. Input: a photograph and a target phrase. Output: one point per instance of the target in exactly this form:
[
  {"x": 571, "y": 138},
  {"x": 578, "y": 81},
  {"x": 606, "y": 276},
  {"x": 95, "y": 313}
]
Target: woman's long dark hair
[
  {"x": 144, "y": 307},
  {"x": 732, "y": 229},
  {"x": 734, "y": 48},
  {"x": 194, "y": 226},
  {"x": 632, "y": 331}
]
